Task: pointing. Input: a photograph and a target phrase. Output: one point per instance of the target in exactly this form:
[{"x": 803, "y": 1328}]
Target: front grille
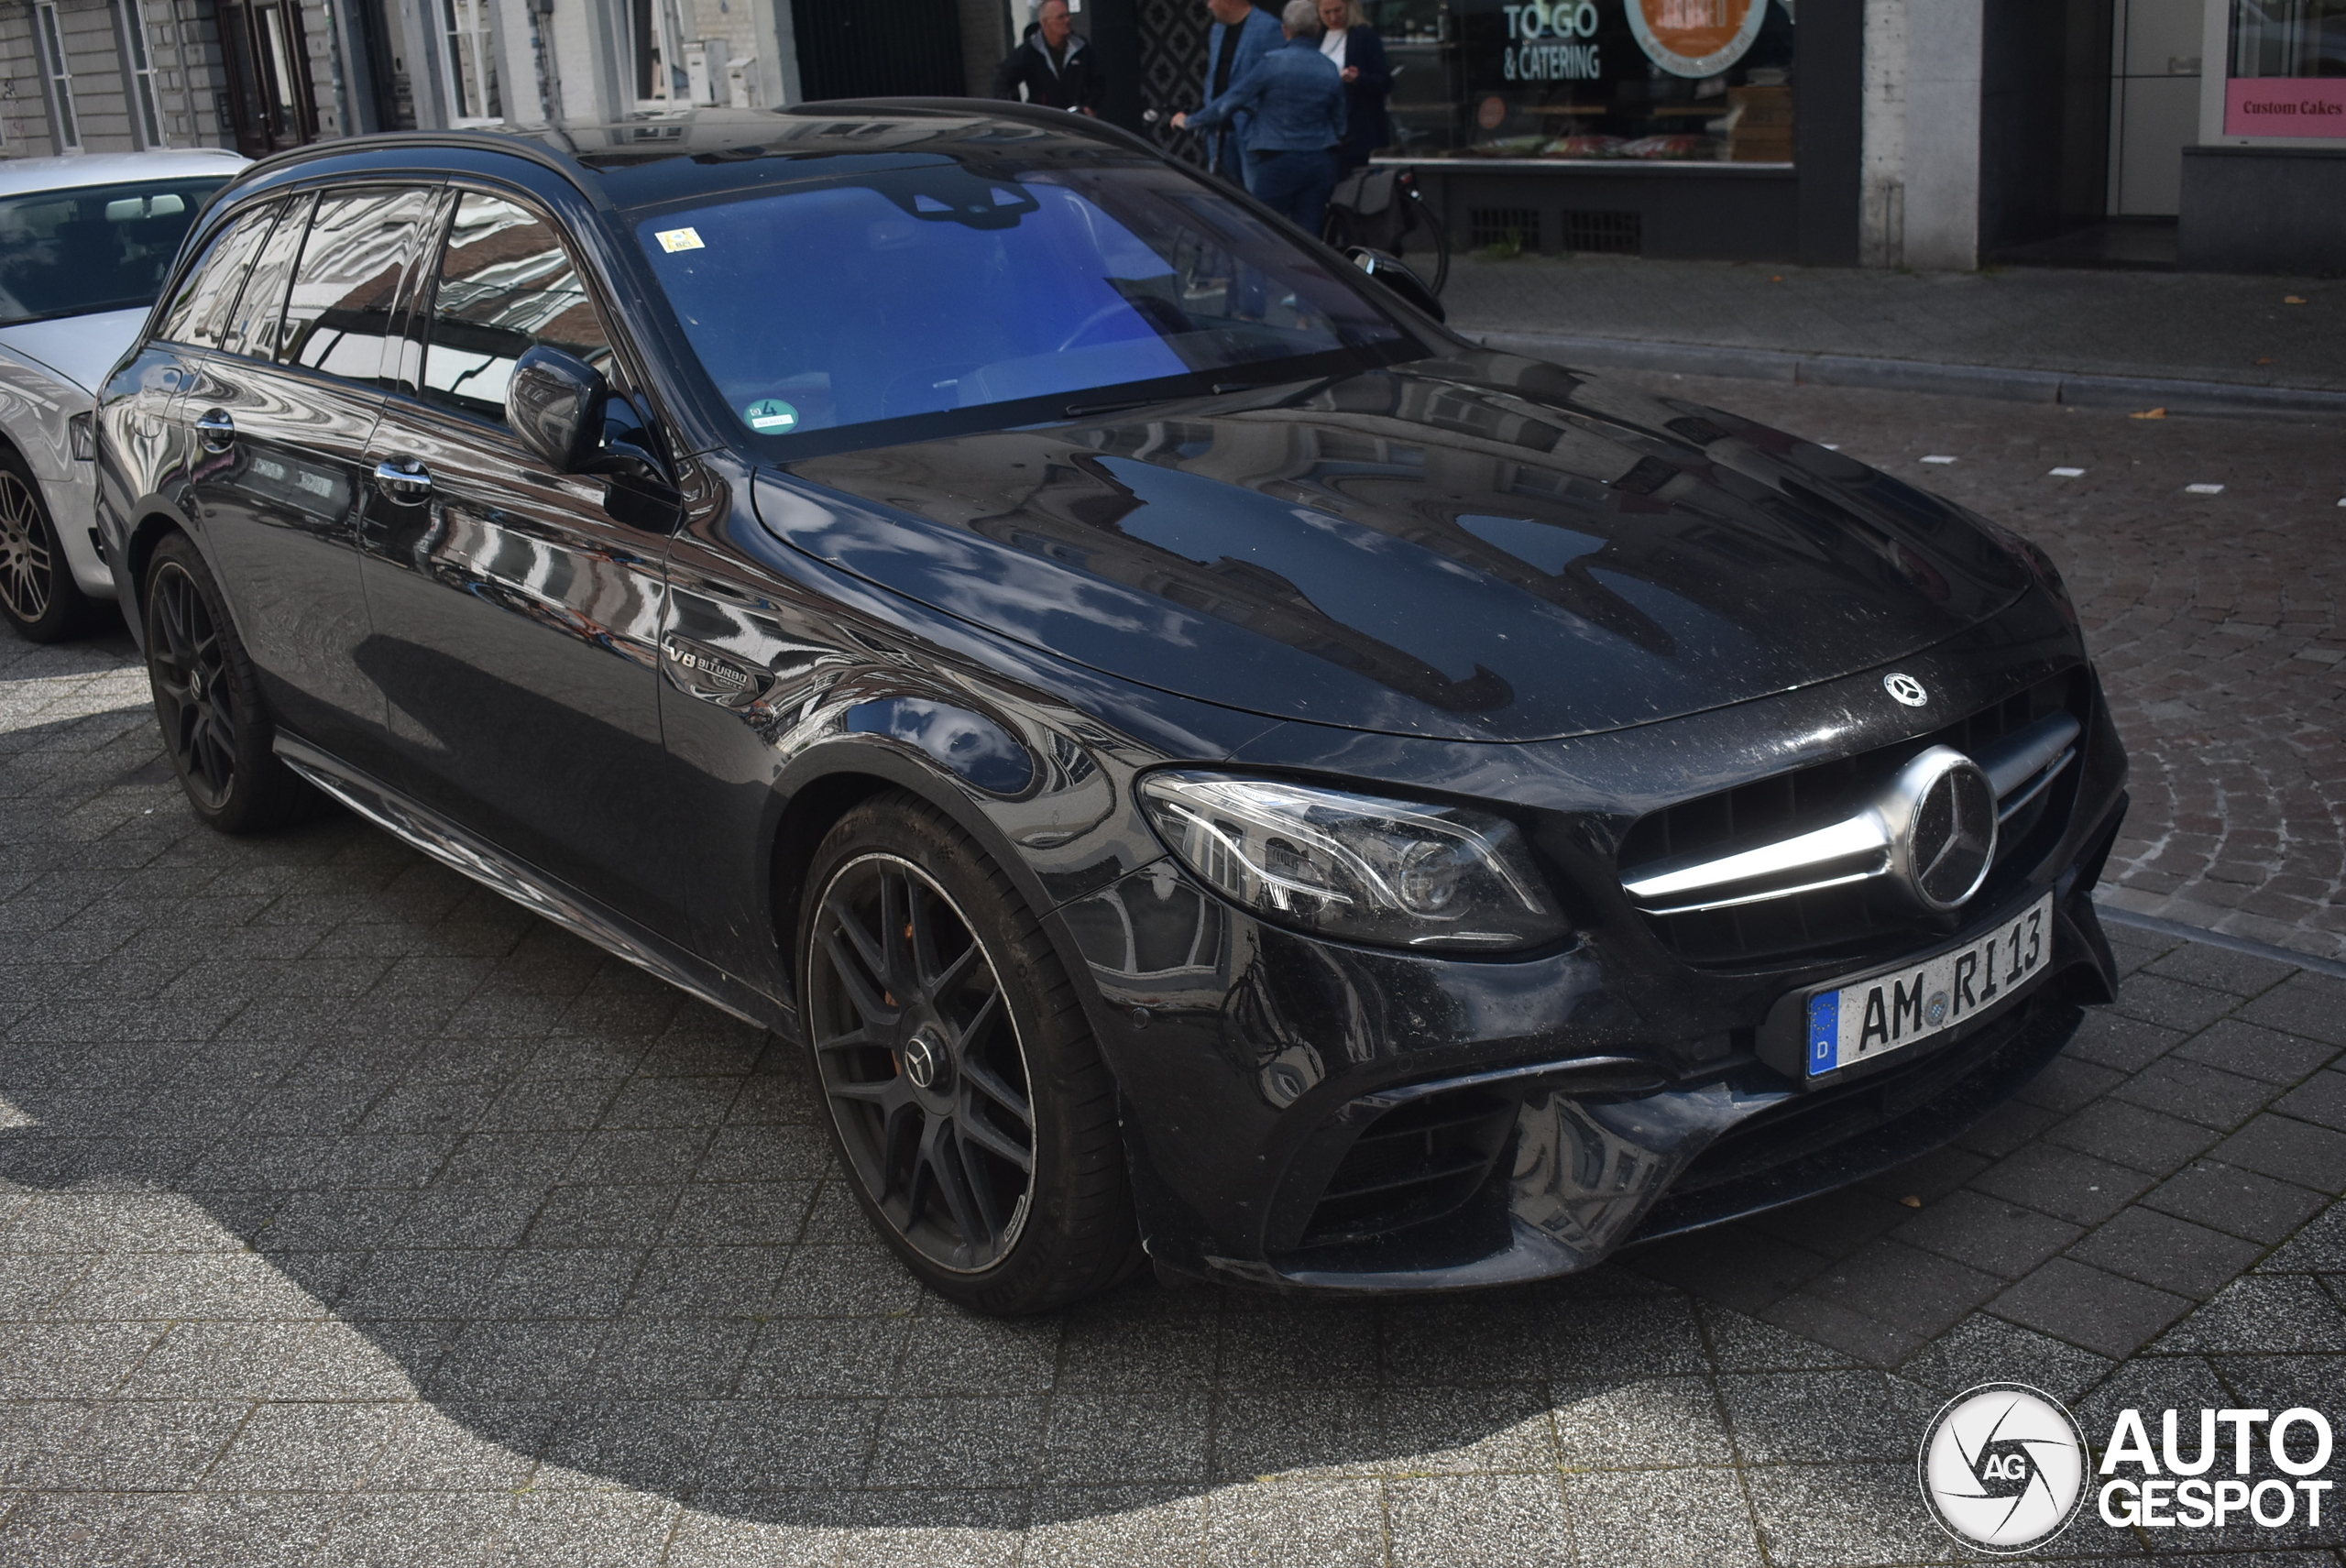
[
  {"x": 1411, "y": 1164},
  {"x": 1858, "y": 920}
]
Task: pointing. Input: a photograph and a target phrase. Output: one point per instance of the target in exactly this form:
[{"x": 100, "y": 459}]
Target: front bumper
[{"x": 1307, "y": 1116}]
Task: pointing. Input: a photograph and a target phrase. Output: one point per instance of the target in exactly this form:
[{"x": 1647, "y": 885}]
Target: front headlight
[{"x": 1356, "y": 867}]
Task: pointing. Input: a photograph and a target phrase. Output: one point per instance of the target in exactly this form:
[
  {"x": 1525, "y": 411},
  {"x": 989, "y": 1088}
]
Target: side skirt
[{"x": 454, "y": 848}]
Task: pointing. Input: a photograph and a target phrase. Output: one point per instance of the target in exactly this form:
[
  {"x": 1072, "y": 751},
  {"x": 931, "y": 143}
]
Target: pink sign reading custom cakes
[{"x": 2285, "y": 107}]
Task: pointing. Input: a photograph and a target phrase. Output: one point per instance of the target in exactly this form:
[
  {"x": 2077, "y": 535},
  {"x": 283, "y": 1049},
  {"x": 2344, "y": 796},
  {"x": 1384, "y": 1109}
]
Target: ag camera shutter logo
[{"x": 2003, "y": 1467}]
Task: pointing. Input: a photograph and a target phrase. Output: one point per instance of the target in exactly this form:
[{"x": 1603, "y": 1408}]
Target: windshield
[
  {"x": 103, "y": 247},
  {"x": 917, "y": 290}
]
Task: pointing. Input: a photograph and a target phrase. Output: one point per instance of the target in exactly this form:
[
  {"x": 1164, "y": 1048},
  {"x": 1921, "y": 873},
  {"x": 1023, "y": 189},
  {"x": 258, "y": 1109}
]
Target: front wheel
[{"x": 966, "y": 1100}]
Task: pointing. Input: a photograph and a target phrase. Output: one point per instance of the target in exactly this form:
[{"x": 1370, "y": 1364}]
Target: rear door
[
  {"x": 516, "y": 620},
  {"x": 280, "y": 415},
  {"x": 146, "y": 429}
]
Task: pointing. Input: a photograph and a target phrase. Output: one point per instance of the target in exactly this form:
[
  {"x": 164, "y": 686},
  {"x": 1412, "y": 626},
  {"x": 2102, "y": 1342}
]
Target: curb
[
  {"x": 2081, "y": 390},
  {"x": 2112, "y": 916}
]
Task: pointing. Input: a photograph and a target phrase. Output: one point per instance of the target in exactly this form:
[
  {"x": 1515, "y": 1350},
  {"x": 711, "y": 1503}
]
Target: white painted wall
[
  {"x": 1944, "y": 39},
  {"x": 1882, "y": 216}
]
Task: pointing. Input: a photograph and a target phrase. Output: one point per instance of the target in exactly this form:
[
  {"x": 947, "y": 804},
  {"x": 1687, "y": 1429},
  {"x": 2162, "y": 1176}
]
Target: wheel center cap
[
  {"x": 927, "y": 1062},
  {"x": 195, "y": 684}
]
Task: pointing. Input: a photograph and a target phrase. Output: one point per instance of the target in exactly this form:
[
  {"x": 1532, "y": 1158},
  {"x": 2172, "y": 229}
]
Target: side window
[
  {"x": 209, "y": 294},
  {"x": 252, "y": 325},
  {"x": 506, "y": 284},
  {"x": 346, "y": 292}
]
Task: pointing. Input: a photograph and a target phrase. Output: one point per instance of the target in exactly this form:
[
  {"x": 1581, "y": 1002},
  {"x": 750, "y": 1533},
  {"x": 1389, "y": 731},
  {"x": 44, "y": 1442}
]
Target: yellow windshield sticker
[{"x": 674, "y": 240}]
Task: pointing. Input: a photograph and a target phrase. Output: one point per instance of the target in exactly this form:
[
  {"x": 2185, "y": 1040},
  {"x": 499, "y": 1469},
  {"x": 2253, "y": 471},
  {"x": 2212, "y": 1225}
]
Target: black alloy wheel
[
  {"x": 967, "y": 1101},
  {"x": 207, "y": 700},
  {"x": 38, "y": 593}
]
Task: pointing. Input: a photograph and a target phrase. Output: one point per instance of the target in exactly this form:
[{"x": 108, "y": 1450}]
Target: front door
[
  {"x": 280, "y": 413},
  {"x": 516, "y": 620}
]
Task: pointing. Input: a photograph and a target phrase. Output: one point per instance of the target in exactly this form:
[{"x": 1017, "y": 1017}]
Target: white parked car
[{"x": 85, "y": 244}]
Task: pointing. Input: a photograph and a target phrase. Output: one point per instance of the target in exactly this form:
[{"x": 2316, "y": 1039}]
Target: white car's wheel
[{"x": 38, "y": 593}]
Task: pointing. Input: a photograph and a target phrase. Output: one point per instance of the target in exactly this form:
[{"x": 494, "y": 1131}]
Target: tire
[
  {"x": 216, "y": 727},
  {"x": 948, "y": 1048},
  {"x": 38, "y": 597}
]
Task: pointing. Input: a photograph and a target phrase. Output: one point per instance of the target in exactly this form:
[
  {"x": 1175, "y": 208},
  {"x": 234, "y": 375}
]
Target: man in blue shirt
[
  {"x": 1295, "y": 98},
  {"x": 1240, "y": 36}
]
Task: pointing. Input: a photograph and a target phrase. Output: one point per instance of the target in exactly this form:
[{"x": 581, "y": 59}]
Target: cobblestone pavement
[
  {"x": 2215, "y": 619},
  {"x": 2193, "y": 327},
  {"x": 350, "y": 1216}
]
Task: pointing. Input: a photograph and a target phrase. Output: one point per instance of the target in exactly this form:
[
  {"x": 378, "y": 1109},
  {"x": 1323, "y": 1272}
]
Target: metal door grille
[{"x": 1615, "y": 234}]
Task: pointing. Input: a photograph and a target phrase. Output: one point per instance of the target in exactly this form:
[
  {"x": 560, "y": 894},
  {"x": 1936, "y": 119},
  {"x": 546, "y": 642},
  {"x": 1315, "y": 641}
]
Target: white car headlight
[{"x": 1358, "y": 868}]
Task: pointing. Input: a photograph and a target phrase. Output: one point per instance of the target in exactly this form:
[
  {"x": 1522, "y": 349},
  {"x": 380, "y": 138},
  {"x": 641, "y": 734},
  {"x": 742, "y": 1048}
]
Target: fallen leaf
[
  {"x": 1912, "y": 1202},
  {"x": 2293, "y": 299},
  {"x": 2266, "y": 360},
  {"x": 2149, "y": 413},
  {"x": 1777, "y": 279}
]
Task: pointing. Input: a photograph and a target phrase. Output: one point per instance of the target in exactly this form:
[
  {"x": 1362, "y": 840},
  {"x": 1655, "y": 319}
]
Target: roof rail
[{"x": 515, "y": 143}]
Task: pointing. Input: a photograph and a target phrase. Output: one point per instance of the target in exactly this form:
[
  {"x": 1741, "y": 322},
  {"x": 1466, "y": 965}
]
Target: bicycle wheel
[{"x": 1424, "y": 221}]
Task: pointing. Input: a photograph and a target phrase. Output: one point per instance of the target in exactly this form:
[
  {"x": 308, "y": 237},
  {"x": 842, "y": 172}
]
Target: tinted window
[
  {"x": 107, "y": 247},
  {"x": 916, "y": 290},
  {"x": 505, "y": 285},
  {"x": 209, "y": 291},
  {"x": 346, "y": 292},
  {"x": 253, "y": 323}
]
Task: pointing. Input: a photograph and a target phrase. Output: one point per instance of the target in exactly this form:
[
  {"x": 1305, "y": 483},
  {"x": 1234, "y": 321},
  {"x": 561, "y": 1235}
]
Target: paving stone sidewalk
[
  {"x": 2179, "y": 325},
  {"x": 350, "y": 1216}
]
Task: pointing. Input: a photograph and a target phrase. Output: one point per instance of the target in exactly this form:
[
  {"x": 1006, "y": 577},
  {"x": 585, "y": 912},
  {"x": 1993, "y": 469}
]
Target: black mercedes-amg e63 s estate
[{"x": 1212, "y": 766}]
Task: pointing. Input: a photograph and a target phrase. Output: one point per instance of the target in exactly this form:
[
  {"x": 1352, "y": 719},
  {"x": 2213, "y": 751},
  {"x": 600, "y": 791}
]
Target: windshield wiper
[{"x": 1085, "y": 410}]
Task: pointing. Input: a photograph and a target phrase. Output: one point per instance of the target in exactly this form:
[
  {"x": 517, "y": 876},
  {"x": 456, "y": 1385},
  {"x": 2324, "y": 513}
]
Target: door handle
[
  {"x": 404, "y": 478},
  {"x": 215, "y": 430}
]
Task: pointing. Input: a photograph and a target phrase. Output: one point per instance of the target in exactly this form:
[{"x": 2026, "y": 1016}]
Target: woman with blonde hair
[{"x": 1346, "y": 39}]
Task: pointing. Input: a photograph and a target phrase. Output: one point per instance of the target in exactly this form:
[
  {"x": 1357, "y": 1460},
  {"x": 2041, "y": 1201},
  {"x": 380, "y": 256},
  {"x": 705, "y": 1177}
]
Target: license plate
[{"x": 1861, "y": 1019}]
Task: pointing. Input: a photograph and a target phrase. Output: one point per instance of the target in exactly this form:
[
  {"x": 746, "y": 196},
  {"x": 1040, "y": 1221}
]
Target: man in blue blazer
[{"x": 1241, "y": 34}]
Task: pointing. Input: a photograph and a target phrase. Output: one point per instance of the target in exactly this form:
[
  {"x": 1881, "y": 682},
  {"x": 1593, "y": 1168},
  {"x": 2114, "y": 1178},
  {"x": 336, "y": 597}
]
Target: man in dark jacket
[
  {"x": 1054, "y": 65},
  {"x": 1241, "y": 34}
]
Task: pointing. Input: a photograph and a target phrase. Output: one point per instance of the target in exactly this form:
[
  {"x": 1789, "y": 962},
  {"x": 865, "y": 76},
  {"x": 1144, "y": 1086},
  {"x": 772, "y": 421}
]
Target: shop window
[
  {"x": 1671, "y": 81},
  {"x": 1609, "y": 233},
  {"x": 1516, "y": 228},
  {"x": 2286, "y": 76},
  {"x": 49, "y": 39}
]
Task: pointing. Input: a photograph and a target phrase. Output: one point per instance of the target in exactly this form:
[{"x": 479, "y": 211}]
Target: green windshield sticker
[{"x": 771, "y": 415}]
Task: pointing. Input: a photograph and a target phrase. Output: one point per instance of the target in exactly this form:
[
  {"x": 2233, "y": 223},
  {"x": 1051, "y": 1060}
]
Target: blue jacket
[
  {"x": 1296, "y": 99},
  {"x": 1258, "y": 34}
]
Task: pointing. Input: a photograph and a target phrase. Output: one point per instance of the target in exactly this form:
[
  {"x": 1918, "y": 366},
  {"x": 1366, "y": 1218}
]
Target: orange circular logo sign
[{"x": 1696, "y": 38}]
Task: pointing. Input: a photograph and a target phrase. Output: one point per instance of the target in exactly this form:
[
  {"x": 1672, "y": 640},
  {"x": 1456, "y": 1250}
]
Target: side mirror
[
  {"x": 1389, "y": 270},
  {"x": 555, "y": 403}
]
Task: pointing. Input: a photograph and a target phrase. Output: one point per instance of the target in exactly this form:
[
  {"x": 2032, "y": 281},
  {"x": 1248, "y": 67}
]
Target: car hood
[
  {"x": 1483, "y": 547},
  {"x": 81, "y": 349}
]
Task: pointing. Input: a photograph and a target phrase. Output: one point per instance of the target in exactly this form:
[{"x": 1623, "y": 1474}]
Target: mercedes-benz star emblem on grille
[
  {"x": 1906, "y": 690},
  {"x": 1941, "y": 811}
]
